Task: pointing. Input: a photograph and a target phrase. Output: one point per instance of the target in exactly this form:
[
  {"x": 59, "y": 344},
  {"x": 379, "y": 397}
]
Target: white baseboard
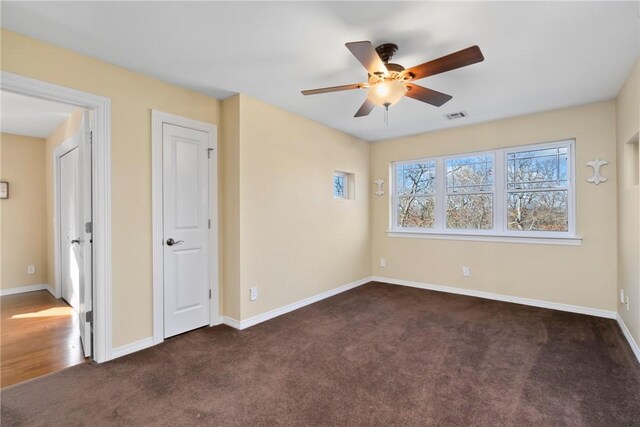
[
  {"x": 230, "y": 321},
  {"x": 131, "y": 348},
  {"x": 632, "y": 343},
  {"x": 29, "y": 288},
  {"x": 148, "y": 342},
  {"x": 498, "y": 297},
  {"x": 243, "y": 324}
]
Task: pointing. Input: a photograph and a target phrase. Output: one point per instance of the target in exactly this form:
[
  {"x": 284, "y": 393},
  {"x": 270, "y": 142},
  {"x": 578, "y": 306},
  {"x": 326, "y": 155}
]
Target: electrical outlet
[
  {"x": 627, "y": 302},
  {"x": 383, "y": 262},
  {"x": 466, "y": 271},
  {"x": 253, "y": 293},
  {"x": 31, "y": 269},
  {"x": 621, "y": 296}
]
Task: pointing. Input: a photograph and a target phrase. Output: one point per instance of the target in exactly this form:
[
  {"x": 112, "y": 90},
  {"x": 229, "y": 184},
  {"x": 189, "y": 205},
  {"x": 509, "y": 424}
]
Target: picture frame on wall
[{"x": 4, "y": 190}]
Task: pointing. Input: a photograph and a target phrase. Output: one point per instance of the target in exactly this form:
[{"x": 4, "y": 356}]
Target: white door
[
  {"x": 75, "y": 229},
  {"x": 185, "y": 182},
  {"x": 85, "y": 257},
  {"x": 70, "y": 250}
]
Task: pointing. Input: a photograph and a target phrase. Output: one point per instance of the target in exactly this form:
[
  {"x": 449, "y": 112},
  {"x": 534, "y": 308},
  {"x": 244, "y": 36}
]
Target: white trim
[
  {"x": 131, "y": 348},
  {"x": 101, "y": 159},
  {"x": 157, "y": 120},
  {"x": 498, "y": 297},
  {"x": 230, "y": 321},
  {"x": 407, "y": 234},
  {"x": 625, "y": 331},
  {"x": 28, "y": 288},
  {"x": 244, "y": 324}
]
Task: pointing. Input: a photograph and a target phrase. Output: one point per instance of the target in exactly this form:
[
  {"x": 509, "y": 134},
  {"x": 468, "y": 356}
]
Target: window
[
  {"x": 522, "y": 191},
  {"x": 340, "y": 185},
  {"x": 470, "y": 192},
  {"x": 343, "y": 185},
  {"x": 415, "y": 188},
  {"x": 537, "y": 189}
]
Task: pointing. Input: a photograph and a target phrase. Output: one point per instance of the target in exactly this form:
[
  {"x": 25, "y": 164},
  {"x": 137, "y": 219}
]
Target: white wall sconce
[
  {"x": 597, "y": 178},
  {"x": 379, "y": 190}
]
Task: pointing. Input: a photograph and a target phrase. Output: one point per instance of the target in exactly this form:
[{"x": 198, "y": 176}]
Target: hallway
[{"x": 39, "y": 336}]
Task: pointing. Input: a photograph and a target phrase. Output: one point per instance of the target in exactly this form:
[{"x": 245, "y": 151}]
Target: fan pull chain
[{"x": 386, "y": 115}]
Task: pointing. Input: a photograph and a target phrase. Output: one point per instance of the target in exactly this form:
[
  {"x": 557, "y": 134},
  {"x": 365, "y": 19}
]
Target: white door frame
[
  {"x": 101, "y": 167},
  {"x": 62, "y": 149},
  {"x": 158, "y": 118}
]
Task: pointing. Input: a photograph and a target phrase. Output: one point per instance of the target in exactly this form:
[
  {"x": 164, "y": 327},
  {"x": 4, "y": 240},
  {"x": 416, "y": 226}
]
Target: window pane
[
  {"x": 546, "y": 168},
  {"x": 416, "y": 178},
  {"x": 470, "y": 211},
  {"x": 416, "y": 212},
  {"x": 538, "y": 211},
  {"x": 339, "y": 182},
  {"x": 470, "y": 174}
]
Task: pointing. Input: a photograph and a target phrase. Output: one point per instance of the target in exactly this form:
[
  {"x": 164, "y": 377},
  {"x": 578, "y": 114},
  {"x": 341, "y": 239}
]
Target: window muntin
[
  {"x": 470, "y": 192},
  {"x": 537, "y": 189},
  {"x": 471, "y": 174},
  {"x": 532, "y": 169},
  {"x": 521, "y": 191}
]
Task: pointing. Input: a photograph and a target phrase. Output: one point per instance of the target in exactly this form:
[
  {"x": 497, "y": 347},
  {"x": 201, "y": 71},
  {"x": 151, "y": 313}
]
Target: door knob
[
  {"x": 76, "y": 241},
  {"x": 171, "y": 242}
]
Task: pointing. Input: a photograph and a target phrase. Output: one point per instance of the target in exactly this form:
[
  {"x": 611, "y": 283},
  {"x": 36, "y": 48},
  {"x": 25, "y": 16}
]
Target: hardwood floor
[{"x": 40, "y": 334}]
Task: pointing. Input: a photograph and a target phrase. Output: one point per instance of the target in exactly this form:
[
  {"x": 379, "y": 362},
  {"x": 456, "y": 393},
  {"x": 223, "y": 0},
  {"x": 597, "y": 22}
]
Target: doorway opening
[
  {"x": 45, "y": 161},
  {"x": 54, "y": 228}
]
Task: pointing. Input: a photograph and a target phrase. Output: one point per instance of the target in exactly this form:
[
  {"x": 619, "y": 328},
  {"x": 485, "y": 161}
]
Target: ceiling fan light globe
[{"x": 386, "y": 93}]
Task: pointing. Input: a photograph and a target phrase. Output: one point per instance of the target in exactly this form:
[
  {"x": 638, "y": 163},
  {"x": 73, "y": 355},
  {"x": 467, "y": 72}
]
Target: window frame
[{"x": 499, "y": 193}]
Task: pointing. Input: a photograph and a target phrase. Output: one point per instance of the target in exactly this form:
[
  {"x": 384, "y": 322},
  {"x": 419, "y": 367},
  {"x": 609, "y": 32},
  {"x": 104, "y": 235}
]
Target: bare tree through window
[
  {"x": 537, "y": 193},
  {"x": 415, "y": 188},
  {"x": 339, "y": 183},
  {"x": 470, "y": 192},
  {"x": 513, "y": 191}
]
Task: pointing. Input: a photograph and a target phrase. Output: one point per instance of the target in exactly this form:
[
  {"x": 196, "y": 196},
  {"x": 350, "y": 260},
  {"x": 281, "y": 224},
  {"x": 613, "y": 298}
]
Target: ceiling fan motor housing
[{"x": 386, "y": 51}]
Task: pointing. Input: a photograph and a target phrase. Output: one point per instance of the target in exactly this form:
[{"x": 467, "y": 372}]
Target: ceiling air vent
[{"x": 458, "y": 115}]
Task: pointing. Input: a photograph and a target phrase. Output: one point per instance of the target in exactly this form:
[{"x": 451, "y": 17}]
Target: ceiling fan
[{"x": 389, "y": 82}]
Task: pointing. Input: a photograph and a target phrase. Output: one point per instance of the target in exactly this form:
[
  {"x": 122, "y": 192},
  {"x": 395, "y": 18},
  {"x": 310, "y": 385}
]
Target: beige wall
[
  {"x": 582, "y": 276},
  {"x": 133, "y": 96},
  {"x": 65, "y": 131},
  {"x": 283, "y": 232},
  {"x": 628, "y": 124},
  {"x": 295, "y": 239},
  {"x": 230, "y": 235},
  {"x": 23, "y": 213}
]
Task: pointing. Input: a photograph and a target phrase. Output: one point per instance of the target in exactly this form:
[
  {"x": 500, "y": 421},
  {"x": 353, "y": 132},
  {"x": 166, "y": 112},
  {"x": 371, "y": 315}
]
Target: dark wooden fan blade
[
  {"x": 426, "y": 95},
  {"x": 367, "y": 55},
  {"x": 459, "y": 59},
  {"x": 366, "y": 108},
  {"x": 332, "y": 89}
]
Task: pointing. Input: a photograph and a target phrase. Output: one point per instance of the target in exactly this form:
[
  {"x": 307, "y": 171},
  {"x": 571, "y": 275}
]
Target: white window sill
[{"x": 410, "y": 234}]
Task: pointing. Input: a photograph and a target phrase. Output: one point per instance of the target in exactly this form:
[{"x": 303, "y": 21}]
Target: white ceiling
[
  {"x": 538, "y": 55},
  {"x": 24, "y": 115}
]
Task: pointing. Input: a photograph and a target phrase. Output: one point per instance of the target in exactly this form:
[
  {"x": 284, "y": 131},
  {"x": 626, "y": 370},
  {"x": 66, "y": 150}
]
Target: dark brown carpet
[{"x": 376, "y": 355}]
